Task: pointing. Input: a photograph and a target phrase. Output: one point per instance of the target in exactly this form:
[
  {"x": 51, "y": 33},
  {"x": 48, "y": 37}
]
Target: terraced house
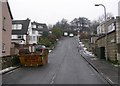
[
  {"x": 5, "y": 28},
  {"x": 108, "y": 41}
]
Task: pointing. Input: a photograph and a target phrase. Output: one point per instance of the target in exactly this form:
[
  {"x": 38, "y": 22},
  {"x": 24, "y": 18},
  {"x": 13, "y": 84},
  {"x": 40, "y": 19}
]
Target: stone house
[
  {"x": 118, "y": 37},
  {"x": 109, "y": 40}
]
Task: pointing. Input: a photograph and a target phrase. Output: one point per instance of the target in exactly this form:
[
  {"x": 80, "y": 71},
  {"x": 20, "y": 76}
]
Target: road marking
[
  {"x": 53, "y": 78},
  {"x": 52, "y": 82},
  {"x": 110, "y": 80}
]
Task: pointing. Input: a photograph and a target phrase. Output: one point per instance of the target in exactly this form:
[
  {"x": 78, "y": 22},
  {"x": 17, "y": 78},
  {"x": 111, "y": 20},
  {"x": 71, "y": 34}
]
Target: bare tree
[
  {"x": 102, "y": 18},
  {"x": 93, "y": 26}
]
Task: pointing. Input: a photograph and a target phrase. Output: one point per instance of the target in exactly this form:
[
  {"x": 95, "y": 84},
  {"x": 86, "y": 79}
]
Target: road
[{"x": 66, "y": 66}]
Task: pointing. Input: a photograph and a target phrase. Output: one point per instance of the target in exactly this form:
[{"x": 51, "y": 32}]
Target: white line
[
  {"x": 11, "y": 71},
  {"x": 110, "y": 80},
  {"x": 52, "y": 82},
  {"x": 53, "y": 78}
]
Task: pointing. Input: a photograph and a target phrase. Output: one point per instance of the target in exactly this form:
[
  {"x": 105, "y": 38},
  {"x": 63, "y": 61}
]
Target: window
[
  {"x": 34, "y": 38},
  {"x": 33, "y": 32},
  {"x": 20, "y": 37},
  {"x": 111, "y": 27},
  {"x": 40, "y": 32},
  {"x": 4, "y": 23},
  {"x": 3, "y": 47},
  {"x": 17, "y": 26},
  {"x": 30, "y": 38},
  {"x": 33, "y": 26},
  {"x": 40, "y": 26}
]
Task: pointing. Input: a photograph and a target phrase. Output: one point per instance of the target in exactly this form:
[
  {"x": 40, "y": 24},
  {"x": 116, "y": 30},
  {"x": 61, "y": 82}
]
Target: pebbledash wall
[
  {"x": 113, "y": 40},
  {"x": 0, "y": 28},
  {"x": 5, "y": 28}
]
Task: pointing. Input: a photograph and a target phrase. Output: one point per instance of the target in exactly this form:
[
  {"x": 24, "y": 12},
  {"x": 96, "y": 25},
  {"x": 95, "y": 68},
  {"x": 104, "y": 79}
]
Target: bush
[
  {"x": 8, "y": 61},
  {"x": 57, "y": 32},
  {"x": 44, "y": 41}
]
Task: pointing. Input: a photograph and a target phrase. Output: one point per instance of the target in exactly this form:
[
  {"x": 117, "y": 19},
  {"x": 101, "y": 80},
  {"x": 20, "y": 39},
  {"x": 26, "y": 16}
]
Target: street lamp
[
  {"x": 104, "y": 9},
  {"x": 105, "y": 27}
]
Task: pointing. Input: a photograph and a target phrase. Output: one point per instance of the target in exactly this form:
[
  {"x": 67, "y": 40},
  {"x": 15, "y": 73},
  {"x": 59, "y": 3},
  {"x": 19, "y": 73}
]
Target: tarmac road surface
[{"x": 66, "y": 66}]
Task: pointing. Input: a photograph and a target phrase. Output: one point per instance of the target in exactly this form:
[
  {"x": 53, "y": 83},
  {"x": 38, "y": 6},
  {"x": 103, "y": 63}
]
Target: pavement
[
  {"x": 106, "y": 69},
  {"x": 6, "y": 70}
]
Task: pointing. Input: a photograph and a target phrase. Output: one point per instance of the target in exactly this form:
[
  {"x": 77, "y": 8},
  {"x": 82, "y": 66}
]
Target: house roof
[
  {"x": 25, "y": 25},
  {"x": 9, "y": 10},
  {"x": 43, "y": 25},
  {"x": 106, "y": 34}
]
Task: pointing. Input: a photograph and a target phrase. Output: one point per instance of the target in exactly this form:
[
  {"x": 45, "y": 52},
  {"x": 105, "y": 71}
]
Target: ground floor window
[{"x": 3, "y": 47}]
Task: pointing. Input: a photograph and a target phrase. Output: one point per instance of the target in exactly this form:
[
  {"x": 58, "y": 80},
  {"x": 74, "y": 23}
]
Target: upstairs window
[
  {"x": 20, "y": 37},
  {"x": 111, "y": 27},
  {"x": 33, "y": 26},
  {"x": 40, "y": 26},
  {"x": 17, "y": 26},
  {"x": 4, "y": 23}
]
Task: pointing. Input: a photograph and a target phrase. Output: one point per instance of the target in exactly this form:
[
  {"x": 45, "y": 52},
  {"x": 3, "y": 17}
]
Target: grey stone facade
[{"x": 111, "y": 40}]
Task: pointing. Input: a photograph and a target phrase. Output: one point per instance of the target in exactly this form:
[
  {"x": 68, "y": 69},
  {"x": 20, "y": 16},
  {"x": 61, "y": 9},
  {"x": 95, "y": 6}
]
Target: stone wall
[
  {"x": 109, "y": 41},
  {"x": 112, "y": 47},
  {"x": 118, "y": 37}
]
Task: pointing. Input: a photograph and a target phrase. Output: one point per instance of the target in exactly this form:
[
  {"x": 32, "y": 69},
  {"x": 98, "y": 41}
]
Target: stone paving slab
[{"x": 108, "y": 70}]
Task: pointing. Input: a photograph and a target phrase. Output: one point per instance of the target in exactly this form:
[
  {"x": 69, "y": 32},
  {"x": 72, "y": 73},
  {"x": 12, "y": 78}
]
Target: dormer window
[
  {"x": 33, "y": 26},
  {"x": 40, "y": 26},
  {"x": 17, "y": 26}
]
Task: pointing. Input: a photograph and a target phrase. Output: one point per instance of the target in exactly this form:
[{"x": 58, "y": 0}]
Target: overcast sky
[{"x": 51, "y": 11}]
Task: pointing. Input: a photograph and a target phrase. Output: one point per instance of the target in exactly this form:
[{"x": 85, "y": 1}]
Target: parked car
[
  {"x": 71, "y": 35},
  {"x": 65, "y": 33}
]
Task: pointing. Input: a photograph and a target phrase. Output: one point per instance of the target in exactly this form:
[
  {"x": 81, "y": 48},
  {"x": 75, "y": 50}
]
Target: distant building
[
  {"x": 36, "y": 31},
  {"x": 5, "y": 28},
  {"x": 20, "y": 31}
]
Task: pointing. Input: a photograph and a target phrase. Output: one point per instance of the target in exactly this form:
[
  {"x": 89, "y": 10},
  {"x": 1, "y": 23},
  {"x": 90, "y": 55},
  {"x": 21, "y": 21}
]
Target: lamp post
[
  {"x": 105, "y": 28},
  {"x": 104, "y": 9}
]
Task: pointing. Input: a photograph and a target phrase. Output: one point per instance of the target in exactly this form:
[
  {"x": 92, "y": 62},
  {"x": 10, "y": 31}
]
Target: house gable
[{"x": 24, "y": 29}]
